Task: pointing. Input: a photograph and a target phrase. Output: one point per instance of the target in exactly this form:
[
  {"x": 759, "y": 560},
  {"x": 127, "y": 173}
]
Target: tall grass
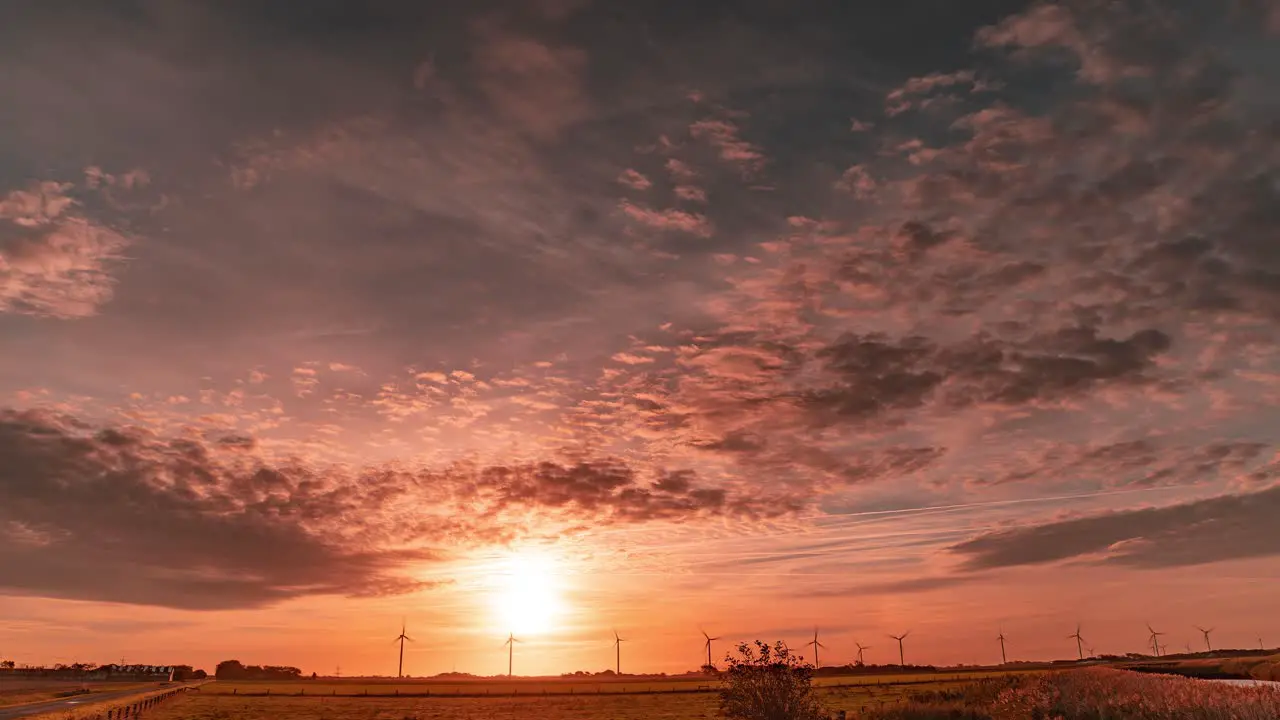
[{"x": 1091, "y": 694}]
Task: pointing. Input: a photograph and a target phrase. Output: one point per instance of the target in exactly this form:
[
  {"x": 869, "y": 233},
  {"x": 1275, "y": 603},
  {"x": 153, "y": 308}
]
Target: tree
[
  {"x": 7, "y": 664},
  {"x": 769, "y": 683}
]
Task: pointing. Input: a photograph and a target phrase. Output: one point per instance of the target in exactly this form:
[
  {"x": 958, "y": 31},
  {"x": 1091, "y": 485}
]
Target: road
[{"x": 71, "y": 703}]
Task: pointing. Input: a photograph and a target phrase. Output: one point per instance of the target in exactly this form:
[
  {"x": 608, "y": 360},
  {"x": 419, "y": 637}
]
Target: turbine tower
[
  {"x": 815, "y": 645},
  {"x": 1155, "y": 640},
  {"x": 1003, "y": 660},
  {"x": 617, "y": 647},
  {"x": 708, "y": 645},
  {"x": 1204, "y": 632},
  {"x": 901, "y": 661},
  {"x": 861, "y": 647},
  {"x": 511, "y": 650},
  {"x": 402, "y": 637},
  {"x": 1079, "y": 641}
]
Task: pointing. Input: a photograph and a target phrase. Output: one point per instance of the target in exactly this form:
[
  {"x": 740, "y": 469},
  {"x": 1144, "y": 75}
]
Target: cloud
[
  {"x": 52, "y": 262},
  {"x": 879, "y": 375},
  {"x": 1227, "y": 527},
  {"x": 634, "y": 180},
  {"x": 723, "y": 135},
  {"x": 534, "y": 84},
  {"x": 669, "y": 219},
  {"x": 125, "y": 515}
]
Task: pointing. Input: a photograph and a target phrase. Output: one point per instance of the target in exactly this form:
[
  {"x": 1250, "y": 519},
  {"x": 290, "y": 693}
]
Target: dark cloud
[
  {"x": 1228, "y": 527},
  {"x": 881, "y": 375},
  {"x": 128, "y": 516}
]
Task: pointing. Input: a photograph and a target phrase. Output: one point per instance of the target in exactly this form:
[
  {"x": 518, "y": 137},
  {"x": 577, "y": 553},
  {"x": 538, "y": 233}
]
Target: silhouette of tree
[{"x": 768, "y": 683}]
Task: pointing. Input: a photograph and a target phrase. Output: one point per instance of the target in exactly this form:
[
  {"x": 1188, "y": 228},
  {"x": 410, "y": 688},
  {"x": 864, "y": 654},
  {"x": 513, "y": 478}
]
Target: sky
[{"x": 561, "y": 317}]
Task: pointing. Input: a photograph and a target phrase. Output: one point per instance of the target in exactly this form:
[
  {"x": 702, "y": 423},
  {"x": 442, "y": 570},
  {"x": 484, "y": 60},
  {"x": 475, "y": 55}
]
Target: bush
[{"x": 768, "y": 683}]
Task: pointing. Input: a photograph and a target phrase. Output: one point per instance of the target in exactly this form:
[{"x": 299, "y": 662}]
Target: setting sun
[{"x": 525, "y": 593}]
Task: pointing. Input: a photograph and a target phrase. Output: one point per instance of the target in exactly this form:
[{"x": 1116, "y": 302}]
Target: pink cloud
[
  {"x": 52, "y": 262},
  {"x": 723, "y": 135},
  {"x": 670, "y": 219},
  {"x": 535, "y": 85},
  {"x": 634, "y": 180}
]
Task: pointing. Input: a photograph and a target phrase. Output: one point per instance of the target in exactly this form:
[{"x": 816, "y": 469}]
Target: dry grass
[
  {"x": 1093, "y": 694},
  {"x": 1084, "y": 694},
  {"x": 21, "y": 691},
  {"x": 96, "y": 710},
  {"x": 518, "y": 687},
  {"x": 613, "y": 707},
  {"x": 526, "y": 706}
]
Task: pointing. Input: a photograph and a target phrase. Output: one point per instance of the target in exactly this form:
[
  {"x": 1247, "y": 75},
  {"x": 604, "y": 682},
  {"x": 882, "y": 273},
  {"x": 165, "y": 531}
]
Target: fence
[{"x": 135, "y": 708}]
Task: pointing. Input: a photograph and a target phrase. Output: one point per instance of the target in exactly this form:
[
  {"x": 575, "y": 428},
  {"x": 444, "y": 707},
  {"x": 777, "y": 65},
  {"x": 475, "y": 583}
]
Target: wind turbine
[
  {"x": 617, "y": 646},
  {"x": 708, "y": 644},
  {"x": 511, "y": 650},
  {"x": 902, "y": 662},
  {"x": 1079, "y": 641},
  {"x": 1000, "y": 637},
  {"x": 400, "y": 639},
  {"x": 815, "y": 645},
  {"x": 1206, "y": 637},
  {"x": 1155, "y": 640},
  {"x": 861, "y": 647}
]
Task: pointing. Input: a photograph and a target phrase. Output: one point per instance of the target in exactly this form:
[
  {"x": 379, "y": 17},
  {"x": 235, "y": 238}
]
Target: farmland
[
  {"x": 20, "y": 691},
  {"x": 529, "y": 703},
  {"x": 548, "y": 686},
  {"x": 1071, "y": 694}
]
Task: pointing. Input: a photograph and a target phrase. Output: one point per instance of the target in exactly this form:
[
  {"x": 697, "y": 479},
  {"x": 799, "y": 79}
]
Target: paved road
[{"x": 70, "y": 703}]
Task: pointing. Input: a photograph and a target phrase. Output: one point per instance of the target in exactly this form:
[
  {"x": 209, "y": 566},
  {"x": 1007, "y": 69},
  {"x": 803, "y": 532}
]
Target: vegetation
[
  {"x": 1256, "y": 667},
  {"x": 20, "y": 691},
  {"x": 769, "y": 683},
  {"x": 235, "y": 670},
  {"x": 1090, "y": 694}
]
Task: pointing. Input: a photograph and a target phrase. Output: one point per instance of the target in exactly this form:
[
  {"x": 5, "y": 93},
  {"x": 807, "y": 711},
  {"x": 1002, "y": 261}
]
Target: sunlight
[{"x": 526, "y": 593}]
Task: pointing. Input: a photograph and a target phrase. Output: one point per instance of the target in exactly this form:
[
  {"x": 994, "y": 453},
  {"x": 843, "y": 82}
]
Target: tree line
[{"x": 236, "y": 670}]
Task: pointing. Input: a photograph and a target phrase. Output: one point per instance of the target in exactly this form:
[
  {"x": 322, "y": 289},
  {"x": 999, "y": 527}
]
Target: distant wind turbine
[
  {"x": 901, "y": 657},
  {"x": 400, "y": 639},
  {"x": 1079, "y": 641},
  {"x": 708, "y": 644},
  {"x": 617, "y": 646},
  {"x": 511, "y": 649},
  {"x": 816, "y": 645},
  {"x": 1204, "y": 632},
  {"x": 861, "y": 647},
  {"x": 1003, "y": 660},
  {"x": 1155, "y": 640}
]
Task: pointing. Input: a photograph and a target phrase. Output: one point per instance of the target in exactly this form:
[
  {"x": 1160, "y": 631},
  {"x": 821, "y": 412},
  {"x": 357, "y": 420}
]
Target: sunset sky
[{"x": 557, "y": 317}]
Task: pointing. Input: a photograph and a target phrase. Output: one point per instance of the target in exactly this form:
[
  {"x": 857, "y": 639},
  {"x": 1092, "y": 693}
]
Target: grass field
[
  {"x": 25, "y": 690},
  {"x": 205, "y": 705},
  {"x": 1260, "y": 667},
  {"x": 539, "y": 687}
]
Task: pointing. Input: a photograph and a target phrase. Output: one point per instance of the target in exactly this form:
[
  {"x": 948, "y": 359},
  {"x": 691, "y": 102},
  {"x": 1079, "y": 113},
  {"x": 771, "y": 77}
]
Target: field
[
  {"x": 539, "y": 687},
  {"x": 1258, "y": 667},
  {"x": 20, "y": 691},
  {"x": 589, "y": 706},
  {"x": 1079, "y": 694}
]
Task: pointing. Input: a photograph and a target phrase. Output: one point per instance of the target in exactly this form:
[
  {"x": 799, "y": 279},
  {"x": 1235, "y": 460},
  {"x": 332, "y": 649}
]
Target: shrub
[{"x": 766, "y": 682}]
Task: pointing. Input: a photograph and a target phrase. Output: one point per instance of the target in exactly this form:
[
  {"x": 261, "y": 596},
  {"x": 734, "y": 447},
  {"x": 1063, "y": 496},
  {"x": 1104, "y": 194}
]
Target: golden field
[
  {"x": 21, "y": 691},
  {"x": 549, "y": 686},
  {"x": 586, "y": 706}
]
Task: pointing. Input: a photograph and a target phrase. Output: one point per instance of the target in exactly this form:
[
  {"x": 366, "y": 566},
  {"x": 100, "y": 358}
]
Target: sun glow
[{"x": 526, "y": 593}]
